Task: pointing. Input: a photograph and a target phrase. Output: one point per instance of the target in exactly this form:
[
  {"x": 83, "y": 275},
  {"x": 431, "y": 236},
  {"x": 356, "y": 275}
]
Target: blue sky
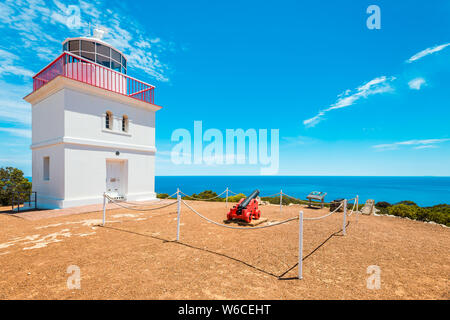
[{"x": 346, "y": 100}]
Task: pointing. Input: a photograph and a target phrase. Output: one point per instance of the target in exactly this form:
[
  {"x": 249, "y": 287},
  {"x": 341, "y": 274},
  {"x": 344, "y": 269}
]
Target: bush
[
  {"x": 162, "y": 195},
  {"x": 206, "y": 195},
  {"x": 403, "y": 210},
  {"x": 439, "y": 213},
  {"x": 285, "y": 201},
  {"x": 382, "y": 204},
  {"x": 237, "y": 197},
  {"x": 407, "y": 202},
  {"x": 11, "y": 182}
]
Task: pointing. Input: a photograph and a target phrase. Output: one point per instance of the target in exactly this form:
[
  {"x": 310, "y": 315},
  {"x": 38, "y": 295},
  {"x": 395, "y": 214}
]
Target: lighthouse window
[
  {"x": 88, "y": 55},
  {"x": 104, "y": 61},
  {"x": 125, "y": 123},
  {"x": 115, "y": 65},
  {"x": 108, "y": 120},
  {"x": 115, "y": 55},
  {"x": 103, "y": 50},
  {"x": 46, "y": 175},
  {"x": 88, "y": 46},
  {"x": 74, "y": 46},
  {"x": 97, "y": 52}
]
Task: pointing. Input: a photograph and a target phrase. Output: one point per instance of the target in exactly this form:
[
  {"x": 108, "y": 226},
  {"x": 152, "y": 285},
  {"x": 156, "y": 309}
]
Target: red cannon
[{"x": 246, "y": 209}]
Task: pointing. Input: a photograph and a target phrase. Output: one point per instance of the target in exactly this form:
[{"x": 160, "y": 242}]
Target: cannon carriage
[{"x": 246, "y": 209}]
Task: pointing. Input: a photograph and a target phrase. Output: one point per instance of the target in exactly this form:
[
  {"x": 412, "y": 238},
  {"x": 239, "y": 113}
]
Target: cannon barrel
[{"x": 245, "y": 203}]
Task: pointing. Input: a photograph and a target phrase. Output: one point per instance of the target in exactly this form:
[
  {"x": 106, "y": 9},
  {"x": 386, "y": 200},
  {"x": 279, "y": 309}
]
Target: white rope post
[
  {"x": 179, "y": 213},
  {"x": 345, "y": 217},
  {"x": 300, "y": 245},
  {"x": 226, "y": 201},
  {"x": 104, "y": 208},
  {"x": 281, "y": 199}
]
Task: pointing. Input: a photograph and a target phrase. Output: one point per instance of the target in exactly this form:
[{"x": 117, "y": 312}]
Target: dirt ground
[{"x": 135, "y": 256}]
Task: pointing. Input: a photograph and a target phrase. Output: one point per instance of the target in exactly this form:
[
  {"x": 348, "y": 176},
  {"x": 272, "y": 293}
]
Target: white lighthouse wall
[
  {"x": 50, "y": 193},
  {"x": 85, "y": 118},
  {"x": 48, "y": 119},
  {"x": 85, "y": 174},
  {"x": 48, "y": 124},
  {"x": 69, "y": 127}
]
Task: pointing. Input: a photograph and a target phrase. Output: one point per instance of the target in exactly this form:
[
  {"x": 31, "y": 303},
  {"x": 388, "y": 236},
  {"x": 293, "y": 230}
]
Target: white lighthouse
[{"x": 93, "y": 128}]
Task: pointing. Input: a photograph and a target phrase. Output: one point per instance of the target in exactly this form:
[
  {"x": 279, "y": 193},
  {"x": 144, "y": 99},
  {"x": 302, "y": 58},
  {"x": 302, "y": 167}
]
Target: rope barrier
[
  {"x": 140, "y": 202},
  {"x": 202, "y": 198},
  {"x": 275, "y": 194},
  {"x": 171, "y": 196},
  {"x": 240, "y": 228},
  {"x": 284, "y": 194},
  {"x": 351, "y": 211},
  {"x": 137, "y": 209},
  {"x": 300, "y": 217},
  {"x": 324, "y": 216}
]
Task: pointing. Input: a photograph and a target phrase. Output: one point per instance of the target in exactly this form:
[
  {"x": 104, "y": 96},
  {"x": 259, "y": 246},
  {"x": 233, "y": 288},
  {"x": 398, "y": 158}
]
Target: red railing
[{"x": 77, "y": 68}]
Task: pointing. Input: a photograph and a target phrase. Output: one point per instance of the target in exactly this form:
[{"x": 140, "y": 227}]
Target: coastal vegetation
[
  {"x": 405, "y": 209},
  {"x": 408, "y": 209},
  {"x": 12, "y": 182}
]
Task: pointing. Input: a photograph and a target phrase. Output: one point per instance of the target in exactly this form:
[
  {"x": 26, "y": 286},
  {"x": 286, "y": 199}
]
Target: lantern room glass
[{"x": 98, "y": 53}]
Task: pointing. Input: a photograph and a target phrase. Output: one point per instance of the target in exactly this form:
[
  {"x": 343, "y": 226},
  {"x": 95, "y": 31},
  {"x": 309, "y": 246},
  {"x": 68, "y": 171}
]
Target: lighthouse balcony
[{"x": 80, "y": 69}]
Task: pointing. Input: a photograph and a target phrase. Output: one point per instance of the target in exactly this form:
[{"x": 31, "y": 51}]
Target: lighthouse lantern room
[{"x": 93, "y": 128}]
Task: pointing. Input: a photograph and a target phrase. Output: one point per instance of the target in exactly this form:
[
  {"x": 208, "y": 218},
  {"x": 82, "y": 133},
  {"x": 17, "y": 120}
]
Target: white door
[{"x": 113, "y": 178}]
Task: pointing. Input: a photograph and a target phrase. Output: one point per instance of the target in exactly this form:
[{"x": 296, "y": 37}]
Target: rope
[
  {"x": 136, "y": 209},
  {"x": 240, "y": 228},
  {"x": 202, "y": 198},
  {"x": 140, "y": 203},
  {"x": 171, "y": 196},
  {"x": 351, "y": 211},
  {"x": 329, "y": 214},
  {"x": 293, "y": 197},
  {"x": 275, "y": 194},
  {"x": 259, "y": 196}
]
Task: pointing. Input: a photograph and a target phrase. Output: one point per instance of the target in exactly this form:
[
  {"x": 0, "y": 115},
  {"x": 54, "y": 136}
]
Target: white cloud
[
  {"x": 32, "y": 34},
  {"x": 12, "y": 106},
  {"x": 40, "y": 27},
  {"x": 427, "y": 52},
  {"x": 296, "y": 141},
  {"x": 25, "y": 133},
  {"x": 416, "y": 84},
  {"x": 426, "y": 147},
  {"x": 8, "y": 65},
  {"x": 347, "y": 98},
  {"x": 416, "y": 144}
]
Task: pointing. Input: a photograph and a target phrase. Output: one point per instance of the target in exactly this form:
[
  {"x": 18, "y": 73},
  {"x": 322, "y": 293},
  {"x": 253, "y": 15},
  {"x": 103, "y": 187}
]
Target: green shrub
[
  {"x": 236, "y": 197},
  {"x": 403, "y": 210},
  {"x": 382, "y": 204},
  {"x": 162, "y": 195},
  {"x": 11, "y": 182},
  {"x": 407, "y": 202},
  {"x": 439, "y": 213},
  {"x": 206, "y": 195}
]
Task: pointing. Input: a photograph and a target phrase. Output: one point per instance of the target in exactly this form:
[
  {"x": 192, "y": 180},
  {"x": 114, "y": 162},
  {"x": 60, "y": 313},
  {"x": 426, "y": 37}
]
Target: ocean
[{"x": 425, "y": 191}]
